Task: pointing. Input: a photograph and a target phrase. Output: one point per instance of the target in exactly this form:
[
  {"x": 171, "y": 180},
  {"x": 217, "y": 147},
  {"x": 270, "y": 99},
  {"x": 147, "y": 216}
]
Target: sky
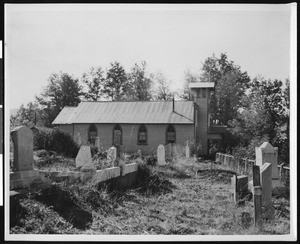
[{"x": 43, "y": 39}]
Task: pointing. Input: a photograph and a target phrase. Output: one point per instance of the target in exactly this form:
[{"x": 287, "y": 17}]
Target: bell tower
[{"x": 200, "y": 94}]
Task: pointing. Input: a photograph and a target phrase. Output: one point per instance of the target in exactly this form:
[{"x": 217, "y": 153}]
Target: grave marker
[
  {"x": 84, "y": 156},
  {"x": 266, "y": 183},
  {"x": 112, "y": 154},
  {"x": 168, "y": 152},
  {"x": 24, "y": 175},
  {"x": 187, "y": 150},
  {"x": 266, "y": 153},
  {"x": 161, "y": 155}
]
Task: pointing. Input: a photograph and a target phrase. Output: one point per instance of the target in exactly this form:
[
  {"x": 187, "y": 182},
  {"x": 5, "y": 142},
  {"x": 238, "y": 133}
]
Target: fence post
[{"x": 257, "y": 191}]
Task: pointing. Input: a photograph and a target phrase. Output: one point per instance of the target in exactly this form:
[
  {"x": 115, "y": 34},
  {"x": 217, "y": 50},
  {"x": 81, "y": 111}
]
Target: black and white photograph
[{"x": 159, "y": 122}]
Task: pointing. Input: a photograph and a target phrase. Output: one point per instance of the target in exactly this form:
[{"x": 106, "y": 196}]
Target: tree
[
  {"x": 230, "y": 86},
  {"x": 140, "y": 83},
  {"x": 264, "y": 116},
  {"x": 28, "y": 115},
  {"x": 62, "y": 90},
  {"x": 162, "y": 91},
  {"x": 189, "y": 77},
  {"x": 116, "y": 83},
  {"x": 94, "y": 81}
]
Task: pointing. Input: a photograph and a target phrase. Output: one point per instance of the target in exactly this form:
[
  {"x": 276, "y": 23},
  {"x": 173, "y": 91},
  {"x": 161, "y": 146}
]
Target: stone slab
[
  {"x": 161, "y": 155},
  {"x": 22, "y": 138},
  {"x": 266, "y": 183},
  {"x": 84, "y": 156},
  {"x": 129, "y": 168},
  {"x": 105, "y": 174}
]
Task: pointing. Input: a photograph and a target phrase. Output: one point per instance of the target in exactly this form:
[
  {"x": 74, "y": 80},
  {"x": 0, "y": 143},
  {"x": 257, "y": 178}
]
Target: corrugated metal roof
[
  {"x": 65, "y": 115},
  {"x": 202, "y": 85},
  {"x": 129, "y": 112}
]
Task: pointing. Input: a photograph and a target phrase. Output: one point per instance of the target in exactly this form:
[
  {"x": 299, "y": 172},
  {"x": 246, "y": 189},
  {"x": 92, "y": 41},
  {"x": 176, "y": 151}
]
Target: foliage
[
  {"x": 140, "y": 83},
  {"x": 162, "y": 90},
  {"x": 55, "y": 140},
  {"x": 62, "y": 90},
  {"x": 94, "y": 79},
  {"x": 115, "y": 84},
  {"x": 196, "y": 148},
  {"x": 230, "y": 86},
  {"x": 264, "y": 115},
  {"x": 189, "y": 78},
  {"x": 28, "y": 115}
]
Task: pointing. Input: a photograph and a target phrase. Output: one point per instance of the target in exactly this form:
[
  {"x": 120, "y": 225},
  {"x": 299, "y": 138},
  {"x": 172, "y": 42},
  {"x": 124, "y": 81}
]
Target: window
[
  {"x": 92, "y": 134},
  {"x": 117, "y": 135},
  {"x": 142, "y": 135},
  {"x": 170, "y": 134}
]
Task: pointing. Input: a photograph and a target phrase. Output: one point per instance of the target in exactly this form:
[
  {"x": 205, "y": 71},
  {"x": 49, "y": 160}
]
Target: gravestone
[
  {"x": 112, "y": 154},
  {"x": 24, "y": 175},
  {"x": 139, "y": 153},
  {"x": 239, "y": 186},
  {"x": 97, "y": 142},
  {"x": 266, "y": 153},
  {"x": 168, "y": 152},
  {"x": 79, "y": 139},
  {"x": 161, "y": 155},
  {"x": 187, "y": 150},
  {"x": 266, "y": 184},
  {"x": 174, "y": 152},
  {"x": 84, "y": 156}
]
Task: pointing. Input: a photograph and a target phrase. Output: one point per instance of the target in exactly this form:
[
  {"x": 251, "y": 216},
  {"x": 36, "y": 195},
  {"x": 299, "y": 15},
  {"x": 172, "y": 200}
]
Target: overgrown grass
[{"x": 171, "y": 199}]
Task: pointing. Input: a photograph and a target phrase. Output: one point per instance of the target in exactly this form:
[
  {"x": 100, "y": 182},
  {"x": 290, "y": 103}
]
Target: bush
[
  {"x": 196, "y": 148},
  {"x": 55, "y": 140}
]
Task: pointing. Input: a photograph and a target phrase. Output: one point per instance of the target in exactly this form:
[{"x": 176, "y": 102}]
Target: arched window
[
  {"x": 92, "y": 134},
  {"x": 117, "y": 135},
  {"x": 170, "y": 134},
  {"x": 142, "y": 135}
]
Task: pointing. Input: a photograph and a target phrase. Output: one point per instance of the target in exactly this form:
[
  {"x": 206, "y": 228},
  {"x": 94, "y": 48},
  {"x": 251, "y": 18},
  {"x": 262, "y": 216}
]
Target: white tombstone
[
  {"x": 112, "y": 154},
  {"x": 266, "y": 184},
  {"x": 161, "y": 155},
  {"x": 139, "y": 152},
  {"x": 187, "y": 150},
  {"x": 79, "y": 140},
  {"x": 84, "y": 156},
  {"x": 266, "y": 153}
]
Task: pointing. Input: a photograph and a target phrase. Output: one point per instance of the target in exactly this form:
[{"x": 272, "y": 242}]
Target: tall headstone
[
  {"x": 266, "y": 183},
  {"x": 168, "y": 152},
  {"x": 24, "y": 175},
  {"x": 84, "y": 156},
  {"x": 174, "y": 152},
  {"x": 161, "y": 155},
  {"x": 266, "y": 153},
  {"x": 139, "y": 153},
  {"x": 112, "y": 154},
  {"x": 187, "y": 150},
  {"x": 79, "y": 139}
]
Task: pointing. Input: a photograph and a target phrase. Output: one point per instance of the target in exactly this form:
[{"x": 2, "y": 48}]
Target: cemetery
[{"x": 169, "y": 192}]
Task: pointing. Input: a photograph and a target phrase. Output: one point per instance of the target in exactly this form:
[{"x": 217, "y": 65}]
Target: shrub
[
  {"x": 55, "y": 140},
  {"x": 196, "y": 148}
]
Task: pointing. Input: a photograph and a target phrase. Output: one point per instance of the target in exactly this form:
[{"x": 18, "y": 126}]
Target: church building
[{"x": 143, "y": 124}]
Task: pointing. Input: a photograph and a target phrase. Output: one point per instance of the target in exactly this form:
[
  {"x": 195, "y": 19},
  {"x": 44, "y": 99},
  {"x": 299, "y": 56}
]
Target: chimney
[{"x": 173, "y": 103}]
